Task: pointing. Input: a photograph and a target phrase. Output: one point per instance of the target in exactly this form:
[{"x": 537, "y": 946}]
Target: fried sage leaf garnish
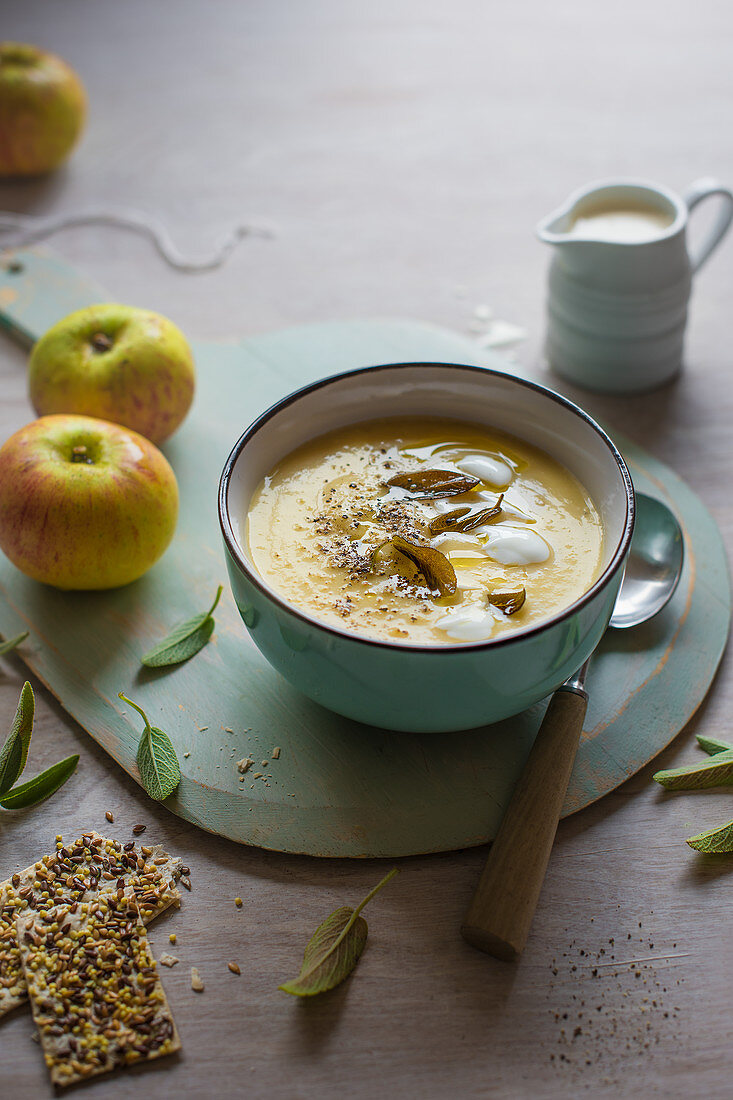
[
  {"x": 184, "y": 641},
  {"x": 160, "y": 772},
  {"x": 434, "y": 566},
  {"x": 715, "y": 841},
  {"x": 465, "y": 519},
  {"x": 716, "y": 771},
  {"x": 508, "y": 602},
  {"x": 334, "y": 949},
  {"x": 434, "y": 484}
]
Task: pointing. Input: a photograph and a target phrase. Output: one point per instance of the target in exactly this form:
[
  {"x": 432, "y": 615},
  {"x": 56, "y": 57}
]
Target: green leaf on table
[
  {"x": 9, "y": 646},
  {"x": 715, "y": 841},
  {"x": 334, "y": 949},
  {"x": 14, "y": 752},
  {"x": 184, "y": 641},
  {"x": 160, "y": 772},
  {"x": 716, "y": 771},
  {"x": 40, "y": 787},
  {"x": 712, "y": 745}
]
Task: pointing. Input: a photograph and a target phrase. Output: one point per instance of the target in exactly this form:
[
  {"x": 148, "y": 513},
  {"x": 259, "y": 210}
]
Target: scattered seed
[
  {"x": 185, "y": 882},
  {"x": 238, "y": 902},
  {"x": 172, "y": 937},
  {"x": 138, "y": 829},
  {"x": 276, "y": 753},
  {"x": 234, "y": 968},
  {"x": 110, "y": 816},
  {"x": 196, "y": 984}
]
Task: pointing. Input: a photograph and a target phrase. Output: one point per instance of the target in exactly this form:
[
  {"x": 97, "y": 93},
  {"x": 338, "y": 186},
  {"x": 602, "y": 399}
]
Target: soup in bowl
[{"x": 425, "y": 546}]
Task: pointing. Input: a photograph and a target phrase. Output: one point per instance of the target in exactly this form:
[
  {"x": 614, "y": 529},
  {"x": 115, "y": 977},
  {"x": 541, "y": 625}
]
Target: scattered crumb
[
  {"x": 234, "y": 968},
  {"x": 245, "y": 764},
  {"x": 238, "y": 902},
  {"x": 203, "y": 729},
  {"x": 168, "y": 960},
  {"x": 186, "y": 755},
  {"x": 110, "y": 816},
  {"x": 265, "y": 763},
  {"x": 276, "y": 753},
  {"x": 228, "y": 729},
  {"x": 257, "y": 775},
  {"x": 196, "y": 984},
  {"x": 35, "y": 1038}
]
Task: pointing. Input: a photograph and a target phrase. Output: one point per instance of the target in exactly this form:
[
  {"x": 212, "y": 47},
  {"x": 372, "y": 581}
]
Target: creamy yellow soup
[{"x": 424, "y": 531}]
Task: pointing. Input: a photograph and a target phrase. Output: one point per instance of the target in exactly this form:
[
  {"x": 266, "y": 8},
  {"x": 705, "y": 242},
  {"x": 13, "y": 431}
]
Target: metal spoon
[{"x": 501, "y": 912}]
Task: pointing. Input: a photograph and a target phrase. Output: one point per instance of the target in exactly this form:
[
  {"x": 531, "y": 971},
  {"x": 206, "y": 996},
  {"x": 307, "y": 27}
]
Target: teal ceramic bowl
[{"x": 424, "y": 688}]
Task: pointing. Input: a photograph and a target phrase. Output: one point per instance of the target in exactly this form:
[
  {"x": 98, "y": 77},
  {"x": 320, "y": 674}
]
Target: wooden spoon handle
[{"x": 501, "y": 912}]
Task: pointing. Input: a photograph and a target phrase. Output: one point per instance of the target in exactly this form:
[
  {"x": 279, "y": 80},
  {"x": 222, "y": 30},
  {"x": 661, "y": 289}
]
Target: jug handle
[{"x": 703, "y": 189}]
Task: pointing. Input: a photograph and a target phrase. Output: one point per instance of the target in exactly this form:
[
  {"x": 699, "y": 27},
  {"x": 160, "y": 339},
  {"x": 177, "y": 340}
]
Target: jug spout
[{"x": 555, "y": 228}]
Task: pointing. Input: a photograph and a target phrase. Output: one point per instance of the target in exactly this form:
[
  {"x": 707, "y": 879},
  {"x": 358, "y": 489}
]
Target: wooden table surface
[{"x": 403, "y": 151}]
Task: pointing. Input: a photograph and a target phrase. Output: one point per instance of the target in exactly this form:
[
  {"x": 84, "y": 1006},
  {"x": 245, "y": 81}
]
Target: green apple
[
  {"x": 42, "y": 110},
  {"x": 84, "y": 503},
  {"x": 116, "y": 362}
]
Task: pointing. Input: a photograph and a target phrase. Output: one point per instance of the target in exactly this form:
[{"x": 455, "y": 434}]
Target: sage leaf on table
[
  {"x": 334, "y": 949},
  {"x": 716, "y": 771},
  {"x": 712, "y": 745},
  {"x": 41, "y": 786},
  {"x": 9, "y": 646},
  {"x": 160, "y": 772},
  {"x": 14, "y": 755},
  {"x": 14, "y": 752},
  {"x": 433, "y": 564},
  {"x": 184, "y": 641},
  {"x": 715, "y": 841}
]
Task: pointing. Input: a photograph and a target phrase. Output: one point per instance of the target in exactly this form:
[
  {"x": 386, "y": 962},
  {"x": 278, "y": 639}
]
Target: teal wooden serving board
[{"x": 338, "y": 788}]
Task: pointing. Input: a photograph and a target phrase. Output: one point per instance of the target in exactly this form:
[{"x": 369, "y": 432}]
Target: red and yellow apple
[
  {"x": 118, "y": 363},
  {"x": 84, "y": 504},
  {"x": 42, "y": 110}
]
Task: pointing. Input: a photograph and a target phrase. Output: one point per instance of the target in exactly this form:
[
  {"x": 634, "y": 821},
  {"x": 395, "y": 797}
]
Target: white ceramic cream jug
[{"x": 620, "y": 279}]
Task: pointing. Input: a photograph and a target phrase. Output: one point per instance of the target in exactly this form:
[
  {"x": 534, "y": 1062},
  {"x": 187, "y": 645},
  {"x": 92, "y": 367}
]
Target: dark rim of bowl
[{"x": 455, "y": 647}]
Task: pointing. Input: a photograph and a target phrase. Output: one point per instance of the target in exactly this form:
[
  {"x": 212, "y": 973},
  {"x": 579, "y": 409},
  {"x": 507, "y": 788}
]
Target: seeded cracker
[
  {"x": 95, "y": 994},
  {"x": 79, "y": 872}
]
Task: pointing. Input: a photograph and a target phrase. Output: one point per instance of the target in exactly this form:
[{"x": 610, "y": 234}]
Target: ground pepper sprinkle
[{"x": 96, "y": 997}]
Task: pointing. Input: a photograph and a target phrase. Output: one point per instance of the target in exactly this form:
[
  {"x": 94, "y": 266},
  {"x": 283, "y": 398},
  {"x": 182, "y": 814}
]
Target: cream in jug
[{"x": 620, "y": 280}]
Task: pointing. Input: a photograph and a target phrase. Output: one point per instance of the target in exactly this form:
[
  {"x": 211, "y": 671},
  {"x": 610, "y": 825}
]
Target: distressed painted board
[{"x": 338, "y": 788}]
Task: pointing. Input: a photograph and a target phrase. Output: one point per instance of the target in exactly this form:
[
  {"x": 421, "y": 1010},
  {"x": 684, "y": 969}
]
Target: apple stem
[{"x": 101, "y": 342}]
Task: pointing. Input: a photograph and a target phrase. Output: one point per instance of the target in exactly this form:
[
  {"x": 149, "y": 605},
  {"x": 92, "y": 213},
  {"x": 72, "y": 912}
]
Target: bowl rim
[{"x": 514, "y": 637}]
